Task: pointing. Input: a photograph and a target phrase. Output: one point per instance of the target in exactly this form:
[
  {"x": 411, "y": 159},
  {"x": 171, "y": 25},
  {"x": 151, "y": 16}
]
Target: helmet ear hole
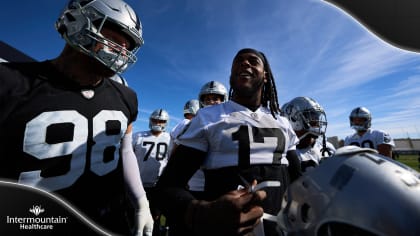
[
  {"x": 70, "y": 17},
  {"x": 62, "y": 29},
  {"x": 304, "y": 212}
]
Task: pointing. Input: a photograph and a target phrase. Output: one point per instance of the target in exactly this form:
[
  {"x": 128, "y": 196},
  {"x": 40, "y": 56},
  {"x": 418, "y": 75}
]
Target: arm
[
  {"x": 385, "y": 144},
  {"x": 294, "y": 167},
  {"x": 385, "y": 149},
  {"x": 173, "y": 197},
  {"x": 236, "y": 212},
  {"x": 136, "y": 193}
]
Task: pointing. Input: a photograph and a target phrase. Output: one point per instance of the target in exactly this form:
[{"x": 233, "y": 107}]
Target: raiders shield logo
[{"x": 87, "y": 93}]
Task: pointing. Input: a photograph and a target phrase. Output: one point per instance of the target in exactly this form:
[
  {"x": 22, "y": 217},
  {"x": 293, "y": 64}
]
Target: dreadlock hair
[{"x": 269, "y": 93}]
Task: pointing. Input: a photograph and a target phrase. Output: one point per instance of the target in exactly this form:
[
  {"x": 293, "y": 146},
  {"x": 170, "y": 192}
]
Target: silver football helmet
[
  {"x": 191, "y": 107},
  {"x": 81, "y": 22},
  {"x": 305, "y": 114},
  {"x": 361, "y": 112},
  {"x": 212, "y": 87},
  {"x": 158, "y": 115},
  {"x": 355, "y": 192}
]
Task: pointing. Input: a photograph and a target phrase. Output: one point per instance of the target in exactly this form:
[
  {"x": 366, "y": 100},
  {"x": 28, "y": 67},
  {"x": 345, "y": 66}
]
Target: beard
[{"x": 246, "y": 89}]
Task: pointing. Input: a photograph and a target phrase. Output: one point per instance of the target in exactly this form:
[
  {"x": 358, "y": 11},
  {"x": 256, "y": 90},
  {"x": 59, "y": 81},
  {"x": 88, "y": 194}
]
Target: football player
[
  {"x": 211, "y": 93},
  {"x": 190, "y": 110},
  {"x": 152, "y": 150},
  {"x": 309, "y": 122},
  {"x": 63, "y": 125},
  {"x": 242, "y": 145},
  {"x": 366, "y": 137}
]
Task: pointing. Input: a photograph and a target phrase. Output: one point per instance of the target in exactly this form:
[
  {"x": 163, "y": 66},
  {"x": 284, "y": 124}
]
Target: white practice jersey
[
  {"x": 179, "y": 128},
  {"x": 314, "y": 153},
  {"x": 196, "y": 183},
  {"x": 371, "y": 139},
  {"x": 233, "y": 135},
  {"x": 152, "y": 155},
  {"x": 176, "y": 131}
]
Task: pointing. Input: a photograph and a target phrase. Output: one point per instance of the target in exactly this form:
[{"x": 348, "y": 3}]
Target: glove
[
  {"x": 235, "y": 213},
  {"x": 143, "y": 218}
]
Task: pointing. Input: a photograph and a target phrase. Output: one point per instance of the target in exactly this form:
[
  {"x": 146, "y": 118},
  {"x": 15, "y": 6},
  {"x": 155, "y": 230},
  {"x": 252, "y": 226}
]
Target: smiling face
[{"x": 247, "y": 75}]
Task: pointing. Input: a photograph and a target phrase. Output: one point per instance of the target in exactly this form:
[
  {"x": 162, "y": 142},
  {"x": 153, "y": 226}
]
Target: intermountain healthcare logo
[
  {"x": 36, "y": 210},
  {"x": 36, "y": 223}
]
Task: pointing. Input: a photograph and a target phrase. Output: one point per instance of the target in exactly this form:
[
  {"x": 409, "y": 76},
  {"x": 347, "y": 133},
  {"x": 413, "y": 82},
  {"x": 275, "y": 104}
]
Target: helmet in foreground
[
  {"x": 355, "y": 192},
  {"x": 306, "y": 115},
  {"x": 191, "y": 107},
  {"x": 81, "y": 22},
  {"x": 212, "y": 87},
  {"x": 360, "y": 112},
  {"x": 158, "y": 121}
]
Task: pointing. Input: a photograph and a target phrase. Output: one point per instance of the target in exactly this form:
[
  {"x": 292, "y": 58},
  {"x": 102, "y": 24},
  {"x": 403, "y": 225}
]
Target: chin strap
[{"x": 325, "y": 149}]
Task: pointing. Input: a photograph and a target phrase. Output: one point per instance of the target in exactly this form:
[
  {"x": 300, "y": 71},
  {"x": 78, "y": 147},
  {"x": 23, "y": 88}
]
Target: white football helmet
[
  {"x": 212, "y": 87},
  {"x": 305, "y": 114},
  {"x": 191, "y": 107},
  {"x": 161, "y": 115},
  {"x": 360, "y": 112},
  {"x": 355, "y": 192},
  {"x": 81, "y": 22}
]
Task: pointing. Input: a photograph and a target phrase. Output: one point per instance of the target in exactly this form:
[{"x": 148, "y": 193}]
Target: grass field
[{"x": 410, "y": 160}]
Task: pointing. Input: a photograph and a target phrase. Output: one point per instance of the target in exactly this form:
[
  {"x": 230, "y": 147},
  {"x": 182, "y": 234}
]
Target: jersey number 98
[{"x": 78, "y": 148}]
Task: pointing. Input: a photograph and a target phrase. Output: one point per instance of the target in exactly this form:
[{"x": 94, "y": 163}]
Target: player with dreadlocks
[
  {"x": 269, "y": 92},
  {"x": 248, "y": 154}
]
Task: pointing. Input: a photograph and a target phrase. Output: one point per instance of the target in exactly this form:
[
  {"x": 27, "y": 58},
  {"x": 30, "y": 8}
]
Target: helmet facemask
[
  {"x": 314, "y": 122},
  {"x": 156, "y": 116},
  {"x": 362, "y": 127},
  {"x": 360, "y": 112},
  {"x": 157, "y": 126},
  {"x": 111, "y": 54}
]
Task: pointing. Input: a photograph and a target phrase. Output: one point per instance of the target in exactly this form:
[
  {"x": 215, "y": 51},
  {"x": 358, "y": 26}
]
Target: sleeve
[
  {"x": 176, "y": 130},
  {"x": 194, "y": 134},
  {"x": 12, "y": 85},
  {"x": 293, "y": 139},
  {"x": 294, "y": 167},
  {"x": 134, "y": 141},
  {"x": 131, "y": 170},
  {"x": 385, "y": 138},
  {"x": 331, "y": 147}
]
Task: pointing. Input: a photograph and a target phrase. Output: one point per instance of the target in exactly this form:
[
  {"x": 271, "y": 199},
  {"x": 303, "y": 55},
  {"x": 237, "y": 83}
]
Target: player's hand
[
  {"x": 144, "y": 219},
  {"x": 235, "y": 213}
]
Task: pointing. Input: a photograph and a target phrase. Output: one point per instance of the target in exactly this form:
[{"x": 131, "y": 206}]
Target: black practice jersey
[{"x": 61, "y": 137}]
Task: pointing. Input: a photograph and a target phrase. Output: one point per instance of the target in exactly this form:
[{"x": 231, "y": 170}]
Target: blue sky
[{"x": 314, "y": 49}]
